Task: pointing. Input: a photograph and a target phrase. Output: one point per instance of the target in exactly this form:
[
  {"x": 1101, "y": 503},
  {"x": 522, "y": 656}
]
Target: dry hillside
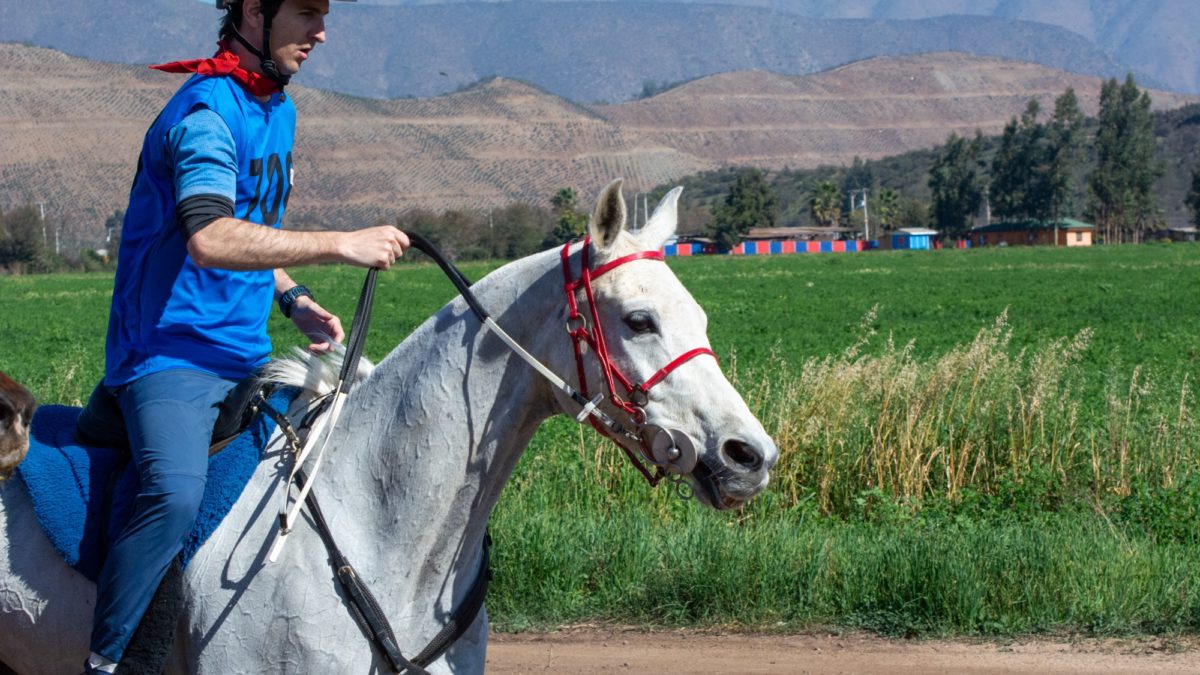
[
  {"x": 498, "y": 143},
  {"x": 70, "y": 130},
  {"x": 872, "y": 109}
]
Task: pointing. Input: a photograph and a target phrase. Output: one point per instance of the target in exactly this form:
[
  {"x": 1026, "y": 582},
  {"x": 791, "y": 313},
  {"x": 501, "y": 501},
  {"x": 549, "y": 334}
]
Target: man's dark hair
[{"x": 232, "y": 19}]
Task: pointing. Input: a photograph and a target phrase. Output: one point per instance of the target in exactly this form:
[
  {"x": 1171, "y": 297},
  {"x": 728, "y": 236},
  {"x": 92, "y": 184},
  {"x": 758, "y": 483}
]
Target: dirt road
[{"x": 590, "y": 650}]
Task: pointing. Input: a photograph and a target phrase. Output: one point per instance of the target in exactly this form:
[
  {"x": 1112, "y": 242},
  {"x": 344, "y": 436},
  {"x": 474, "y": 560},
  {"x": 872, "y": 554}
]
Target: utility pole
[
  {"x": 866, "y": 218},
  {"x": 645, "y": 196},
  {"x": 42, "y": 212},
  {"x": 866, "y": 215}
]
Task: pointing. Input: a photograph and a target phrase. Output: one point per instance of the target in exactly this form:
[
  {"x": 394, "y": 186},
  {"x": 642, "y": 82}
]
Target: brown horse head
[{"x": 16, "y": 411}]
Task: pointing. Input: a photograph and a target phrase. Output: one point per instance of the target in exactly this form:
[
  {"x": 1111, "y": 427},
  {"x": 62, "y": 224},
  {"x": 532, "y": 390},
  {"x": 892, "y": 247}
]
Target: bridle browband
[{"x": 636, "y": 395}]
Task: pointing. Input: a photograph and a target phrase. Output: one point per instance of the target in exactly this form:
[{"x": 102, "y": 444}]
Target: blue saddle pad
[{"x": 83, "y": 495}]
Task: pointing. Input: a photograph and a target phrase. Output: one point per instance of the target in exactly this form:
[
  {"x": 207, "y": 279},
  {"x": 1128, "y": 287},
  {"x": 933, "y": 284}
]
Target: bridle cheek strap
[{"x": 636, "y": 395}]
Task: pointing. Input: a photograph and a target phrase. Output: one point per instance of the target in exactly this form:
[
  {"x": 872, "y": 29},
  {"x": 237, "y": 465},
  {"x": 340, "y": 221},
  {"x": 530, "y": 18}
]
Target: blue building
[{"x": 914, "y": 238}]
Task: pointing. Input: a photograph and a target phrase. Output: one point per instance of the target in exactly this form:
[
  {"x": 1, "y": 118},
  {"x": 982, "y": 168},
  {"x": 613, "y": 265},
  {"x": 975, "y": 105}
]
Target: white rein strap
[
  {"x": 323, "y": 427},
  {"x": 588, "y": 407}
]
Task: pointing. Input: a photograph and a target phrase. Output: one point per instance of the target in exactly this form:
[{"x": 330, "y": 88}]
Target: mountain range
[
  {"x": 70, "y": 131},
  {"x": 1156, "y": 39},
  {"x": 583, "y": 51}
]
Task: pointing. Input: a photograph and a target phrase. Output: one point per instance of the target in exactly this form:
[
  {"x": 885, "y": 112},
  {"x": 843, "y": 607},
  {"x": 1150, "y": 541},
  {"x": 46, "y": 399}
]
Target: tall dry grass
[{"x": 980, "y": 417}]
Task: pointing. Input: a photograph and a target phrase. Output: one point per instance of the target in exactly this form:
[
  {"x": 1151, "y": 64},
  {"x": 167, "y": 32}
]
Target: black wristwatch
[{"x": 289, "y": 297}]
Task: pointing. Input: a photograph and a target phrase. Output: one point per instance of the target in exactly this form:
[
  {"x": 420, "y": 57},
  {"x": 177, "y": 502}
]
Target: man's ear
[{"x": 252, "y": 19}]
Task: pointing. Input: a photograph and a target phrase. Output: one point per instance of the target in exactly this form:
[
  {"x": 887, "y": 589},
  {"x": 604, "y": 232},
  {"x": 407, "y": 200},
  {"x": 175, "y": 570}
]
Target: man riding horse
[{"x": 202, "y": 259}]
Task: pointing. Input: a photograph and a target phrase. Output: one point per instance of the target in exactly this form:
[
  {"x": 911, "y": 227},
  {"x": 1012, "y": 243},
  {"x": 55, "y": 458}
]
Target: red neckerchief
[{"x": 224, "y": 62}]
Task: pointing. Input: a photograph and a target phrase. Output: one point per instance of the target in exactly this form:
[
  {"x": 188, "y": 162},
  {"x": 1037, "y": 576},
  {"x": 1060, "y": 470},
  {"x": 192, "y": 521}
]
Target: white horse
[{"x": 419, "y": 457}]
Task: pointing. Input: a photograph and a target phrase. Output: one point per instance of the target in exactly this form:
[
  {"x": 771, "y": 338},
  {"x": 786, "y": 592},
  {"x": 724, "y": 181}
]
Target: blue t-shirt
[{"x": 167, "y": 312}]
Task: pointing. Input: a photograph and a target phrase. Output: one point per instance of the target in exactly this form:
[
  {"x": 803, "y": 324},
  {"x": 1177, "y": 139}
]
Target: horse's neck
[{"x": 428, "y": 440}]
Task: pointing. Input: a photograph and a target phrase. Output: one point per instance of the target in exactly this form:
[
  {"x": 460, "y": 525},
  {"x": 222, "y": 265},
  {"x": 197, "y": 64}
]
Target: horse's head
[
  {"x": 16, "y": 411},
  {"x": 692, "y": 421}
]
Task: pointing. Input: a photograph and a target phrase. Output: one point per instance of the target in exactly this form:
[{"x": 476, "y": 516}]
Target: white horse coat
[{"x": 418, "y": 460}]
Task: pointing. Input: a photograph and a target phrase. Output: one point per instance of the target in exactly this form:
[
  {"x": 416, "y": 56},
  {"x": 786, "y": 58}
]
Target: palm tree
[
  {"x": 886, "y": 206},
  {"x": 826, "y": 204}
]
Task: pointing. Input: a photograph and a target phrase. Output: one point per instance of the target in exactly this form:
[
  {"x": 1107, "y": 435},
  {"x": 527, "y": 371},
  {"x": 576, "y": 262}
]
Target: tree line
[
  {"x": 1038, "y": 169},
  {"x": 1034, "y": 170},
  {"x": 28, "y": 244},
  {"x": 504, "y": 233}
]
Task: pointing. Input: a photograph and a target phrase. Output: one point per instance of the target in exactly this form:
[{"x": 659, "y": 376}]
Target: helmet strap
[{"x": 269, "y": 68}]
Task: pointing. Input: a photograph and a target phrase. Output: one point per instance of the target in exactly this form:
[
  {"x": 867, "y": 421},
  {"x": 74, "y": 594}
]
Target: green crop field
[{"x": 986, "y": 441}]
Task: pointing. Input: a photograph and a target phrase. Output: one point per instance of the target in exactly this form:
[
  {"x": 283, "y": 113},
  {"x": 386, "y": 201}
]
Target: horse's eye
[{"x": 641, "y": 322}]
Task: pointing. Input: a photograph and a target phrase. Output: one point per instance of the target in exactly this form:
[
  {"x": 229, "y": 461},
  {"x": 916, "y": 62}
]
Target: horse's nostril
[{"x": 742, "y": 454}]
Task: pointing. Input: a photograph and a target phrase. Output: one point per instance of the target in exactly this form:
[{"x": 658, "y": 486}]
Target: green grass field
[{"x": 986, "y": 442}]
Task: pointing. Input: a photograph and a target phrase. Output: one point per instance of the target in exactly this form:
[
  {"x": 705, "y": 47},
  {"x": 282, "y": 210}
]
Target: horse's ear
[
  {"x": 662, "y": 223},
  {"x": 609, "y": 218}
]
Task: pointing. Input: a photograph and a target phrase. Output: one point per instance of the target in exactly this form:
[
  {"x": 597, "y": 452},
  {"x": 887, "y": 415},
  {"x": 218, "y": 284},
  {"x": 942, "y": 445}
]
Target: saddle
[{"x": 83, "y": 488}]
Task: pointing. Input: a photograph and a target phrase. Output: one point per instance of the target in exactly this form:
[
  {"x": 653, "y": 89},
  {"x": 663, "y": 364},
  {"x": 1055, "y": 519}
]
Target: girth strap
[{"x": 370, "y": 617}]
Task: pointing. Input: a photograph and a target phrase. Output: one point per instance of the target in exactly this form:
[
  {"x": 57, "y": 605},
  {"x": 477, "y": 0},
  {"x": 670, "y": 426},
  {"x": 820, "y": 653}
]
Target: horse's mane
[{"x": 315, "y": 375}]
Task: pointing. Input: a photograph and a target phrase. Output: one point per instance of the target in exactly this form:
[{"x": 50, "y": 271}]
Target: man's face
[{"x": 295, "y": 31}]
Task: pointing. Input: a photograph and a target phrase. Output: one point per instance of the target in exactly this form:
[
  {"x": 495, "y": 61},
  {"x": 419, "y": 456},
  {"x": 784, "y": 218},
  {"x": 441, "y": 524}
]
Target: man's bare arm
[
  {"x": 283, "y": 282},
  {"x": 230, "y": 243}
]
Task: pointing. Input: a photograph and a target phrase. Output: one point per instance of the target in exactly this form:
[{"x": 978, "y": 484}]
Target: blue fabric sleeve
[{"x": 204, "y": 156}]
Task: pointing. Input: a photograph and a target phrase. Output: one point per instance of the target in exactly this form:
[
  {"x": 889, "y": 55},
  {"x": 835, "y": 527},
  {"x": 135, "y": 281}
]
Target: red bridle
[{"x": 636, "y": 395}]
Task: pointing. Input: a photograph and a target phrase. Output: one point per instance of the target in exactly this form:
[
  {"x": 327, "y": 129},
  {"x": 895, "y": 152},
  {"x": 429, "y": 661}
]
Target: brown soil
[{"x": 587, "y": 650}]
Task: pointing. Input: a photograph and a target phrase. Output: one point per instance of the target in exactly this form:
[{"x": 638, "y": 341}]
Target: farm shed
[
  {"x": 914, "y": 238},
  {"x": 1181, "y": 233},
  {"x": 800, "y": 234},
  {"x": 1070, "y": 232},
  {"x": 774, "y": 241}
]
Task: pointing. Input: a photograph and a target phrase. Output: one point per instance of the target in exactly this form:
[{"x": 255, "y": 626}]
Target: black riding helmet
[{"x": 229, "y": 29}]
